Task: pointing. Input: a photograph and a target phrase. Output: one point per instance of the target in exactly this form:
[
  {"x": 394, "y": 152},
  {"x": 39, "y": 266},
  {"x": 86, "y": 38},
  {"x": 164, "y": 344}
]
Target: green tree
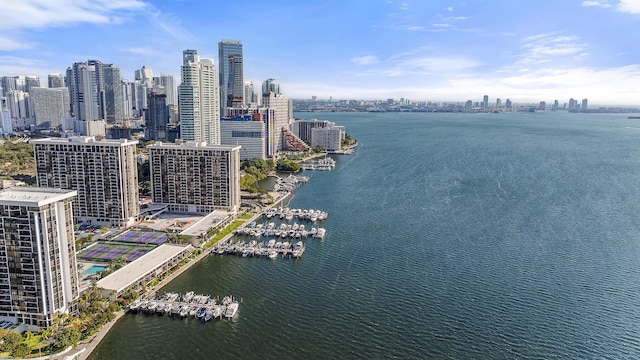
[
  {"x": 9, "y": 340},
  {"x": 288, "y": 165},
  {"x": 21, "y": 350}
]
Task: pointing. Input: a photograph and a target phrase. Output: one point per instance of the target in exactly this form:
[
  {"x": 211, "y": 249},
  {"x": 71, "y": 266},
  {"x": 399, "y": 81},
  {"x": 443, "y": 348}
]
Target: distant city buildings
[
  {"x": 50, "y": 106},
  {"x": 38, "y": 272},
  {"x": 55, "y": 81},
  {"x": 195, "y": 177},
  {"x": 103, "y": 172}
]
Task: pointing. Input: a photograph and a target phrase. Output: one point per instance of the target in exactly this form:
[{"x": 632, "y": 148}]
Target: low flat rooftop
[
  {"x": 33, "y": 196},
  {"x": 185, "y": 224},
  {"x": 130, "y": 273}
]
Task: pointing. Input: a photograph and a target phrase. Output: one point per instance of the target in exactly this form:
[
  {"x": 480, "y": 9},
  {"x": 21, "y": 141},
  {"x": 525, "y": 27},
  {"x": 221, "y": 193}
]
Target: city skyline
[{"x": 440, "y": 51}]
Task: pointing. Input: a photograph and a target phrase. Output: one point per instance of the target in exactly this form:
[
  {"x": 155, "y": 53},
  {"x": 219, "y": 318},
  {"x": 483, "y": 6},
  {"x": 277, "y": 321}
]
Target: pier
[
  {"x": 289, "y": 183},
  {"x": 296, "y": 231},
  {"x": 319, "y": 164},
  {"x": 201, "y": 307},
  {"x": 300, "y": 214},
  {"x": 270, "y": 249}
]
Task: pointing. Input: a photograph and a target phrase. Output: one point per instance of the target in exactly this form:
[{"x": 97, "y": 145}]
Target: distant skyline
[{"x": 358, "y": 49}]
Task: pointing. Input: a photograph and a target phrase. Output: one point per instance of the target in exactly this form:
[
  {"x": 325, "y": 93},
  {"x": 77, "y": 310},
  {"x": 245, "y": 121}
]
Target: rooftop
[
  {"x": 33, "y": 196},
  {"x": 130, "y": 273}
]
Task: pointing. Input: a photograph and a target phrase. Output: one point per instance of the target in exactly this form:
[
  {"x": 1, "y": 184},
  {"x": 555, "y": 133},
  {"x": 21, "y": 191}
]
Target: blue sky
[{"x": 350, "y": 49}]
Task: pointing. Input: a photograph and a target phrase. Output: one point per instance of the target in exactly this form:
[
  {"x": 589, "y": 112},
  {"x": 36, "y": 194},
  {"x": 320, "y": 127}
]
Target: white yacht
[{"x": 231, "y": 310}]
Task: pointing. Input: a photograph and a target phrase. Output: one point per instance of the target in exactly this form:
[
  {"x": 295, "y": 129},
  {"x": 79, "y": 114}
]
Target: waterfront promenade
[{"x": 84, "y": 348}]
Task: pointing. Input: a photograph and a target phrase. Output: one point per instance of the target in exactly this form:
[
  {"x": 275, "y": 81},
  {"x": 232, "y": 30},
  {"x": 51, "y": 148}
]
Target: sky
[{"x": 527, "y": 51}]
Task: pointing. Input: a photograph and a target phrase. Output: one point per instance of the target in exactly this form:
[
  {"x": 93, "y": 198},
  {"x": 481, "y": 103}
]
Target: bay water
[{"x": 449, "y": 236}]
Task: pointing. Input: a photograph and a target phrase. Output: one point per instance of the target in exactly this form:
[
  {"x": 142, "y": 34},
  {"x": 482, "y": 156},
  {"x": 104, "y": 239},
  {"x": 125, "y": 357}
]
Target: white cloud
[
  {"x": 16, "y": 16},
  {"x": 365, "y": 60},
  {"x": 630, "y": 6},
  {"x": 404, "y": 6},
  {"x": 544, "y": 48},
  {"x": 602, "y": 4},
  {"x": 18, "y": 65}
]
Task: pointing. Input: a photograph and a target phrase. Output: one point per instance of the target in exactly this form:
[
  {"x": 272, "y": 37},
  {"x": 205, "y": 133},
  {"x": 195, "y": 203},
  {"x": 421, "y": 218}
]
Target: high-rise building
[
  {"x": 329, "y": 138},
  {"x": 157, "y": 115},
  {"x": 145, "y": 75},
  {"x": 280, "y": 104},
  {"x": 508, "y": 104},
  {"x": 302, "y": 128},
  {"x": 198, "y": 100},
  {"x": 55, "y": 80},
  {"x": 485, "y": 101},
  {"x": 5, "y": 117},
  {"x": 249, "y": 94},
  {"x": 103, "y": 172},
  {"x": 113, "y": 94},
  {"x": 270, "y": 85},
  {"x": 18, "y": 102},
  {"x": 38, "y": 273},
  {"x": 50, "y": 106},
  {"x": 86, "y": 89},
  {"x": 166, "y": 81},
  {"x": 194, "y": 177},
  {"x": 584, "y": 104},
  {"x": 231, "y": 81}
]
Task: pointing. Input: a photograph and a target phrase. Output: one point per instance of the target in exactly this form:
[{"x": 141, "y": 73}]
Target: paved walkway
[{"x": 86, "y": 347}]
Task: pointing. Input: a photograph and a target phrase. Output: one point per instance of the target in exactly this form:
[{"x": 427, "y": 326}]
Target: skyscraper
[
  {"x": 166, "y": 81},
  {"x": 38, "y": 273},
  {"x": 55, "y": 80},
  {"x": 157, "y": 115},
  {"x": 272, "y": 99},
  {"x": 49, "y": 105},
  {"x": 231, "y": 80},
  {"x": 485, "y": 101},
  {"x": 113, "y": 94},
  {"x": 145, "y": 75},
  {"x": 103, "y": 172},
  {"x": 86, "y": 89},
  {"x": 195, "y": 177},
  {"x": 199, "y": 100}
]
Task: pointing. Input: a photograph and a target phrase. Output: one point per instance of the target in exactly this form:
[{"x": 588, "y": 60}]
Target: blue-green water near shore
[{"x": 449, "y": 236}]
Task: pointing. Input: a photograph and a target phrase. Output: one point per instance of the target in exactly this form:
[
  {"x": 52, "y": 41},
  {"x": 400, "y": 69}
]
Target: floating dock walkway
[{"x": 270, "y": 249}]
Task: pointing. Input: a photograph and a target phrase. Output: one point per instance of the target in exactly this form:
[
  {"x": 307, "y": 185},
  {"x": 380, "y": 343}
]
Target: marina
[
  {"x": 323, "y": 164},
  {"x": 289, "y": 183},
  {"x": 284, "y": 230},
  {"x": 299, "y": 214},
  {"x": 202, "y": 307},
  {"x": 270, "y": 249}
]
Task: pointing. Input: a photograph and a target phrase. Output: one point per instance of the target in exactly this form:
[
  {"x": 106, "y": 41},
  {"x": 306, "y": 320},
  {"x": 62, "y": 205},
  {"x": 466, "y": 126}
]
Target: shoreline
[{"x": 85, "y": 348}]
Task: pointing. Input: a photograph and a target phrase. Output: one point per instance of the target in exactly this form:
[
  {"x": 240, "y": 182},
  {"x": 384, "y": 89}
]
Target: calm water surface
[{"x": 449, "y": 236}]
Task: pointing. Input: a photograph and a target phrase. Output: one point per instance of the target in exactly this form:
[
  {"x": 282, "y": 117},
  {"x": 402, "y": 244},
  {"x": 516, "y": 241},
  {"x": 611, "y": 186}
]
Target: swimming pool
[{"x": 93, "y": 270}]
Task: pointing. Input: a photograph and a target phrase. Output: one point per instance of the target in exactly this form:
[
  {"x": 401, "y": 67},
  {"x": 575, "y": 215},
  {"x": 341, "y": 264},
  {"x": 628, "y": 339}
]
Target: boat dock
[
  {"x": 319, "y": 164},
  {"x": 270, "y": 249},
  {"x": 289, "y": 183},
  {"x": 201, "y": 307},
  {"x": 283, "y": 231},
  {"x": 300, "y": 214}
]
